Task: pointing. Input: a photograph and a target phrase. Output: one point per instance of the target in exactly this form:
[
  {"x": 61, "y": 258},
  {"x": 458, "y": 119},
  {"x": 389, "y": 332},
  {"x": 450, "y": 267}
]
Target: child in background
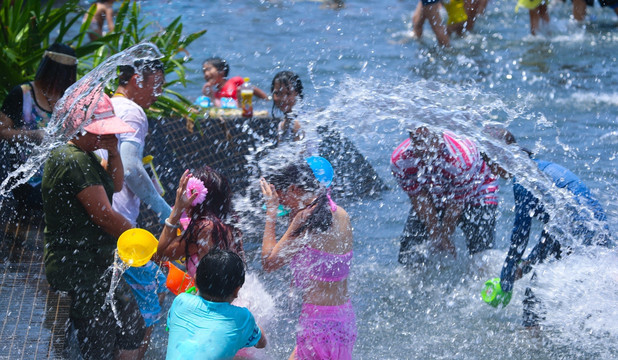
[
  {"x": 208, "y": 325},
  {"x": 318, "y": 247},
  {"x": 579, "y": 7},
  {"x": 287, "y": 89},
  {"x": 538, "y": 13},
  {"x": 208, "y": 205},
  {"x": 457, "y": 19},
  {"x": 457, "y": 16},
  {"x": 104, "y": 12},
  {"x": 220, "y": 89}
]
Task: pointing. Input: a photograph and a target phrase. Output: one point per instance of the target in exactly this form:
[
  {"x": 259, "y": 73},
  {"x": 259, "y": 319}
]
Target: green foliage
[
  {"x": 131, "y": 29},
  {"x": 27, "y": 29}
]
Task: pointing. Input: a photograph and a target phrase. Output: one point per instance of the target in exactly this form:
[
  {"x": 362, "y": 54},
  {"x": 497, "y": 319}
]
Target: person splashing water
[{"x": 318, "y": 247}]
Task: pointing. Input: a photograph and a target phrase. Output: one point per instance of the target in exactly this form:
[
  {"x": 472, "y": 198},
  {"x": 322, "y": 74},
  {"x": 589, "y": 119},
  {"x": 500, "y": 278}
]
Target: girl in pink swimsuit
[
  {"x": 318, "y": 247},
  {"x": 208, "y": 227}
]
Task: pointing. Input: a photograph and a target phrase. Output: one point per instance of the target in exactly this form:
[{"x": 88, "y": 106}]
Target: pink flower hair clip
[{"x": 195, "y": 185}]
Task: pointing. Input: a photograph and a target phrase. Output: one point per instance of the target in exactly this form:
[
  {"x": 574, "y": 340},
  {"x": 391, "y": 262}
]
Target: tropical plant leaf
[{"x": 27, "y": 28}]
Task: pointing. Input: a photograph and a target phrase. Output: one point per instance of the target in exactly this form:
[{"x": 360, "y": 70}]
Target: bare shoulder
[
  {"x": 342, "y": 218},
  {"x": 341, "y": 213}
]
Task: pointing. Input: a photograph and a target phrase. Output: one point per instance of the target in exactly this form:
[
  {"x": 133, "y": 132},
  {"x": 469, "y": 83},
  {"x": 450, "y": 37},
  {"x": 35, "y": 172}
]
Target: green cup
[{"x": 493, "y": 295}]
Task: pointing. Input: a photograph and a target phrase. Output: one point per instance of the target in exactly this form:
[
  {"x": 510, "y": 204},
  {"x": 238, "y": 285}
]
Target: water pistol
[{"x": 493, "y": 295}]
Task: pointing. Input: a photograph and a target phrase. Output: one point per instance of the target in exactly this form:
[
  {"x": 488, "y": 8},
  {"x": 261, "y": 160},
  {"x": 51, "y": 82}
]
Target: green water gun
[{"x": 493, "y": 295}]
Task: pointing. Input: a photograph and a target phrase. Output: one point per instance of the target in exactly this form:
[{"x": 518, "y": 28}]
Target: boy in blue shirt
[
  {"x": 527, "y": 207},
  {"x": 208, "y": 326}
]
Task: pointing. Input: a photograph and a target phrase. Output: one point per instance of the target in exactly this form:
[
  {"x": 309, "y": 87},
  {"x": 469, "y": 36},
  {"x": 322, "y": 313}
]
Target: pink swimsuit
[
  {"x": 192, "y": 263},
  {"x": 312, "y": 264},
  {"x": 325, "y": 332}
]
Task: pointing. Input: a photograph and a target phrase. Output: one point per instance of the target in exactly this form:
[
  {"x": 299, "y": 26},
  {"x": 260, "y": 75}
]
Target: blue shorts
[
  {"x": 429, "y": 2},
  {"x": 147, "y": 282}
]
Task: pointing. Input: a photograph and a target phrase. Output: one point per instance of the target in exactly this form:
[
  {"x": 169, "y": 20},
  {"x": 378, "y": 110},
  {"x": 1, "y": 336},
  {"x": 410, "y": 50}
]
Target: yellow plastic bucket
[{"x": 136, "y": 247}]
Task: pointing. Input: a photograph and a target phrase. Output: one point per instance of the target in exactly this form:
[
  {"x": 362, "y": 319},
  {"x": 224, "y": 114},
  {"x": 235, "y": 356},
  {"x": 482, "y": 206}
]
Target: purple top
[{"x": 313, "y": 264}]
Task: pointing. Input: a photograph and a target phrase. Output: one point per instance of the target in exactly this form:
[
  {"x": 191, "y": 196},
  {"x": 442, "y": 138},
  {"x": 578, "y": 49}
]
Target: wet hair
[
  {"x": 144, "y": 67},
  {"x": 216, "y": 210},
  {"x": 219, "y": 64},
  {"x": 301, "y": 175},
  {"x": 55, "y": 76},
  {"x": 219, "y": 273},
  {"x": 289, "y": 79},
  {"x": 498, "y": 131}
]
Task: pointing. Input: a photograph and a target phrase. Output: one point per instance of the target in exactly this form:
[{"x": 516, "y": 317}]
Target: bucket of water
[
  {"x": 136, "y": 247},
  {"x": 178, "y": 281}
]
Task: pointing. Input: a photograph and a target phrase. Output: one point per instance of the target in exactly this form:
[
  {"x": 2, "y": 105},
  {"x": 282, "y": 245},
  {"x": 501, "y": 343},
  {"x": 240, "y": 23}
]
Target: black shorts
[
  {"x": 100, "y": 336},
  {"x": 429, "y": 2},
  {"x": 611, "y": 3},
  {"x": 476, "y": 222}
]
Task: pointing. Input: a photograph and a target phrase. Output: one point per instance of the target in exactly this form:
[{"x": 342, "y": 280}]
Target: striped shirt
[{"x": 457, "y": 172}]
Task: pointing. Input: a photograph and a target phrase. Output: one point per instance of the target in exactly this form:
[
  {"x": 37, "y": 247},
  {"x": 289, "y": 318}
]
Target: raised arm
[
  {"x": 276, "y": 254},
  {"x": 171, "y": 247},
  {"x": 113, "y": 165},
  {"x": 97, "y": 205},
  {"x": 260, "y": 93}
]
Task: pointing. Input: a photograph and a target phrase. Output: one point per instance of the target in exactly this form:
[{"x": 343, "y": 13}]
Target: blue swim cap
[{"x": 322, "y": 169}]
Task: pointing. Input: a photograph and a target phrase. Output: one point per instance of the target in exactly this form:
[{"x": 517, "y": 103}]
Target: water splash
[
  {"x": 375, "y": 111},
  {"x": 579, "y": 299},
  {"x": 117, "y": 269},
  {"x": 74, "y": 110}
]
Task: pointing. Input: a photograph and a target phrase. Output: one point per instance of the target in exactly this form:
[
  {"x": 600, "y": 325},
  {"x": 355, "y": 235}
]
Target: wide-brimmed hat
[{"x": 104, "y": 121}]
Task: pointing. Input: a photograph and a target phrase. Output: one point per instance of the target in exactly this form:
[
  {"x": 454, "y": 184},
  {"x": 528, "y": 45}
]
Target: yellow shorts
[
  {"x": 530, "y": 4},
  {"x": 456, "y": 12}
]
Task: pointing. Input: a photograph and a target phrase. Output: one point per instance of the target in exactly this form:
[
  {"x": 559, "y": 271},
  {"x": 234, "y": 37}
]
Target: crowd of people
[
  {"x": 90, "y": 191},
  {"x": 91, "y": 188},
  {"x": 462, "y": 15}
]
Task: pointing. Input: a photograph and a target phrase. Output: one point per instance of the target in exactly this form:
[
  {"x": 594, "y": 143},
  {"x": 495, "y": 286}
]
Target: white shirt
[{"x": 126, "y": 202}]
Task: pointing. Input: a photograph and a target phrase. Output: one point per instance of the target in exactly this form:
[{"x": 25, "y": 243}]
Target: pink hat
[{"x": 105, "y": 122}]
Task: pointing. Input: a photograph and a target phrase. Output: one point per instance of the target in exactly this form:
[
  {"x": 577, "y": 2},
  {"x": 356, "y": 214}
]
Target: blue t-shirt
[
  {"x": 528, "y": 206},
  {"x": 201, "y": 329}
]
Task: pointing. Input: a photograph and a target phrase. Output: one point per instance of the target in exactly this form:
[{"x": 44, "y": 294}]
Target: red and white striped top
[{"x": 458, "y": 172}]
